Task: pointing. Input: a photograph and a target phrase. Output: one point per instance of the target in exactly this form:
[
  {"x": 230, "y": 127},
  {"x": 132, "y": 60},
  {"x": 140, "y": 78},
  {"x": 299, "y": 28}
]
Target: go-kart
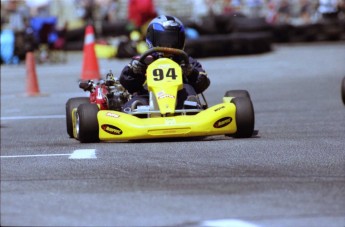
[
  {"x": 107, "y": 95},
  {"x": 161, "y": 119}
]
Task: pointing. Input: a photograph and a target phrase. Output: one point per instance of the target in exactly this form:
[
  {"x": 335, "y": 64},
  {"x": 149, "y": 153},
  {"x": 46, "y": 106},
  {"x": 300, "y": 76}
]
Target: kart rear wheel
[
  {"x": 87, "y": 123},
  {"x": 237, "y": 93},
  {"x": 70, "y": 105},
  {"x": 245, "y": 119}
]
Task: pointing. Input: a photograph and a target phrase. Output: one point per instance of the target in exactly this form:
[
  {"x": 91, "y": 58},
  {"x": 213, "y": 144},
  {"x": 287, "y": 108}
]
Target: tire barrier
[
  {"x": 74, "y": 45},
  {"x": 245, "y": 24},
  {"x": 115, "y": 29},
  {"x": 322, "y": 31},
  {"x": 331, "y": 30},
  {"x": 228, "y": 35},
  {"x": 232, "y": 44},
  {"x": 75, "y": 34}
]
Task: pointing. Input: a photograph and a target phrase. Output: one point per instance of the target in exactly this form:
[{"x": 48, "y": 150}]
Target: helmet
[{"x": 165, "y": 31}]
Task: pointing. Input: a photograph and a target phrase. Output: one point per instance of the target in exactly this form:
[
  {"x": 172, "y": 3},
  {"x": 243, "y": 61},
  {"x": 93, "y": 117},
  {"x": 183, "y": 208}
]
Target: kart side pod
[{"x": 217, "y": 120}]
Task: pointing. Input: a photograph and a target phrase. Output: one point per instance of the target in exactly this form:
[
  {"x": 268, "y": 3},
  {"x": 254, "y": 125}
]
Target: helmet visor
[{"x": 173, "y": 39}]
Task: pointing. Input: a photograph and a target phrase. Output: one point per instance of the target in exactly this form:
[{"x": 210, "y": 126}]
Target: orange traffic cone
[
  {"x": 32, "y": 88},
  {"x": 90, "y": 69}
]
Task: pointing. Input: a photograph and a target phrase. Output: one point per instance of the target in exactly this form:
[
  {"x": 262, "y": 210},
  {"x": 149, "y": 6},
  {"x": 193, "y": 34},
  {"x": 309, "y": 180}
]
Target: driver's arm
[
  {"x": 131, "y": 81},
  {"x": 198, "y": 77}
]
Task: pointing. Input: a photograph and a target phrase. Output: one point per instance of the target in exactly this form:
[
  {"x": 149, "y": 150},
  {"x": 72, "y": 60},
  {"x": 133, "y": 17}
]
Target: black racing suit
[{"x": 195, "y": 83}]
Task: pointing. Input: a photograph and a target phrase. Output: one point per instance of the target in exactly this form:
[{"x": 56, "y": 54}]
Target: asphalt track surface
[{"x": 291, "y": 174}]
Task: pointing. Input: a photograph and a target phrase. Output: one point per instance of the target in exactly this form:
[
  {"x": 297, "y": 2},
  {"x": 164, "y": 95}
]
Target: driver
[{"x": 164, "y": 31}]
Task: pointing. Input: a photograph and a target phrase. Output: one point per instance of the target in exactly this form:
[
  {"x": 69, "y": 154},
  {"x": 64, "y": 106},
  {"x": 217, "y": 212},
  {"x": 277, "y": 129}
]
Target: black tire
[
  {"x": 245, "y": 119},
  {"x": 343, "y": 90},
  {"x": 87, "y": 123},
  {"x": 237, "y": 93},
  {"x": 70, "y": 105}
]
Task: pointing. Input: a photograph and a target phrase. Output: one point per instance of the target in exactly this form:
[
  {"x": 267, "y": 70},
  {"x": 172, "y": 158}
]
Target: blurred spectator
[
  {"x": 15, "y": 13},
  {"x": 237, "y": 5},
  {"x": 306, "y": 11},
  {"x": 255, "y": 8},
  {"x": 204, "y": 15},
  {"x": 329, "y": 9},
  {"x": 200, "y": 10},
  {"x": 203, "y": 11},
  {"x": 15, "y": 16},
  {"x": 65, "y": 11},
  {"x": 231, "y": 6},
  {"x": 141, "y": 12},
  {"x": 108, "y": 10},
  {"x": 85, "y": 10},
  {"x": 227, "y": 7},
  {"x": 284, "y": 12},
  {"x": 7, "y": 41},
  {"x": 341, "y": 7},
  {"x": 39, "y": 8},
  {"x": 46, "y": 28},
  {"x": 271, "y": 14}
]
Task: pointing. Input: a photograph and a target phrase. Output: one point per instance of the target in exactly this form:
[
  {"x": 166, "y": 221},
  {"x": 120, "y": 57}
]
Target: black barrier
[
  {"x": 115, "y": 29},
  {"x": 231, "y": 44},
  {"x": 228, "y": 35}
]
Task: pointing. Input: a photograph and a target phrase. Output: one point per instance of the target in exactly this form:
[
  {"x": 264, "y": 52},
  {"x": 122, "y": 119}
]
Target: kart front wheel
[
  {"x": 87, "y": 123},
  {"x": 245, "y": 119},
  {"x": 70, "y": 105}
]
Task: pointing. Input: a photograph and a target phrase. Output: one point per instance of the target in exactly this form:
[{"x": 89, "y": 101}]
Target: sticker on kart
[
  {"x": 222, "y": 122},
  {"x": 111, "y": 129},
  {"x": 109, "y": 114}
]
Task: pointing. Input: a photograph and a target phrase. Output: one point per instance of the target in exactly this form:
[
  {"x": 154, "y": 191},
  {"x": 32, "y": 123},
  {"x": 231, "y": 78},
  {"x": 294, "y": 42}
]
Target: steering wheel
[{"x": 166, "y": 50}]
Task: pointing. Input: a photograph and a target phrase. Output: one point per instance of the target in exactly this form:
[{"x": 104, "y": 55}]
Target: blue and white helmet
[{"x": 165, "y": 31}]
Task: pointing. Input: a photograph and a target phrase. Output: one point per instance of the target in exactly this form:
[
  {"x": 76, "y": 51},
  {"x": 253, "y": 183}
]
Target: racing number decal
[
  {"x": 164, "y": 73},
  {"x": 159, "y": 74}
]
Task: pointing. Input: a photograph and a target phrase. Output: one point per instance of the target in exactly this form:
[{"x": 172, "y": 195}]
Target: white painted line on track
[
  {"x": 33, "y": 117},
  {"x": 77, "y": 154},
  {"x": 83, "y": 154},
  {"x": 227, "y": 223},
  {"x": 34, "y": 155}
]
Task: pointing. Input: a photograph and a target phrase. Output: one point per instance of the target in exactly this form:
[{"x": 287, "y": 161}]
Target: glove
[
  {"x": 138, "y": 67},
  {"x": 187, "y": 69},
  {"x": 202, "y": 83}
]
